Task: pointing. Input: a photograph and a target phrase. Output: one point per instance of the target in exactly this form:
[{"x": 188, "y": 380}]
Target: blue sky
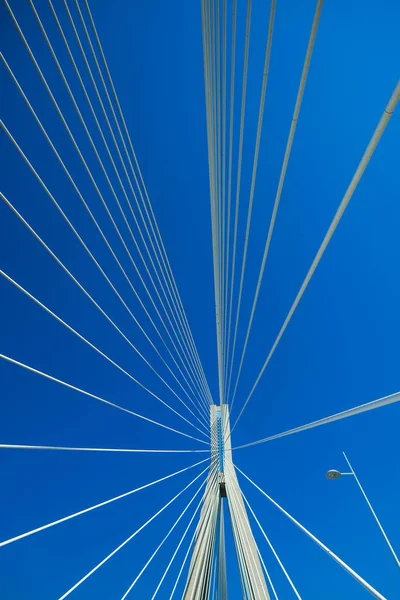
[{"x": 340, "y": 350}]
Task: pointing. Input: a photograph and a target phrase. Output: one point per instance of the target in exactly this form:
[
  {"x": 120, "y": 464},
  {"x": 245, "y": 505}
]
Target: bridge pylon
[{"x": 207, "y": 571}]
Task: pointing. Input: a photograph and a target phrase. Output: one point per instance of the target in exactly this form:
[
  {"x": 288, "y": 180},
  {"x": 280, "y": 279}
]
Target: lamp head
[{"x": 333, "y": 474}]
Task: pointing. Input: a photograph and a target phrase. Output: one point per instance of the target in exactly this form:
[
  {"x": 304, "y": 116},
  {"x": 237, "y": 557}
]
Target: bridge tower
[{"x": 208, "y": 563}]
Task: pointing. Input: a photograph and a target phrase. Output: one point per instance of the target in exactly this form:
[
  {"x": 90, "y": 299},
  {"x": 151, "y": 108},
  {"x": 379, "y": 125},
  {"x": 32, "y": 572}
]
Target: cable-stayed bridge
[{"x": 136, "y": 271}]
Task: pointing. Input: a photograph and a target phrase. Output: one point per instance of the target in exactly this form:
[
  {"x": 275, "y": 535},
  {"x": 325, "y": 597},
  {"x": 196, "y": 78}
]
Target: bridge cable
[
  {"x": 101, "y": 353},
  {"x": 86, "y": 166},
  {"x": 177, "y": 327},
  {"x": 346, "y": 567},
  {"x": 384, "y": 120},
  {"x": 94, "y": 396},
  {"x": 331, "y": 419},
  {"x": 273, "y": 549},
  {"x": 145, "y": 196},
  {"x": 128, "y": 539},
  {"x": 239, "y": 170},
  {"x": 253, "y": 182},
  {"x": 102, "y": 235},
  {"x": 95, "y": 506},
  {"x": 164, "y": 539},
  {"x": 285, "y": 163},
  {"x": 80, "y": 286}
]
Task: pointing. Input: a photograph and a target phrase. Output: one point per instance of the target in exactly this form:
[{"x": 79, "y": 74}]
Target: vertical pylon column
[
  {"x": 210, "y": 534},
  {"x": 222, "y": 584},
  {"x": 252, "y": 576},
  {"x": 199, "y": 576}
]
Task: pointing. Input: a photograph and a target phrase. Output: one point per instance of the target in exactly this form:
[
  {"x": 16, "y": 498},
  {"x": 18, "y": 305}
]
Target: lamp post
[{"x": 333, "y": 474}]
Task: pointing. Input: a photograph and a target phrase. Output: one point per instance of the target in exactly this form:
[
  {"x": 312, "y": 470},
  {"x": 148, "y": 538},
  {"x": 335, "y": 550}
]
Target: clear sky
[{"x": 340, "y": 350}]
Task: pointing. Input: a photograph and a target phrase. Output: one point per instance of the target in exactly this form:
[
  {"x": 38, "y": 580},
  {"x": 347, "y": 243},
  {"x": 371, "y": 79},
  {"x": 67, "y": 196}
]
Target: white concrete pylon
[
  {"x": 199, "y": 576},
  {"x": 252, "y": 573},
  {"x": 210, "y": 537}
]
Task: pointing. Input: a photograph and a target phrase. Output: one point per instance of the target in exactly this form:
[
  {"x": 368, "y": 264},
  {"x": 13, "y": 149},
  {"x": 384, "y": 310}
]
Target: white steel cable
[
  {"x": 216, "y": 45},
  {"x": 222, "y": 592},
  {"x": 163, "y": 541},
  {"x": 82, "y": 449},
  {"x": 103, "y": 237},
  {"x": 285, "y": 163},
  {"x": 239, "y": 555},
  {"x": 202, "y": 577},
  {"x": 212, "y": 59},
  {"x": 183, "y": 564},
  {"x": 245, "y": 568},
  {"x": 385, "y": 537},
  {"x": 199, "y": 567},
  {"x": 212, "y": 169},
  {"x": 158, "y": 237},
  {"x": 44, "y": 81},
  {"x": 253, "y": 179},
  {"x": 230, "y": 159},
  {"x": 210, "y": 549},
  {"x": 119, "y": 179},
  {"x": 346, "y": 567},
  {"x": 100, "y": 352},
  {"x": 220, "y": 172},
  {"x": 145, "y": 197},
  {"x": 244, "y": 542},
  {"x": 176, "y": 550},
  {"x": 166, "y": 537},
  {"x": 209, "y": 35},
  {"x": 210, "y": 84},
  {"x": 273, "y": 550},
  {"x": 93, "y": 111},
  {"x": 196, "y": 534},
  {"x": 239, "y": 173},
  {"x": 96, "y": 349},
  {"x": 128, "y": 539},
  {"x": 90, "y": 395},
  {"x": 75, "y": 281},
  {"x": 211, "y": 48},
  {"x": 213, "y": 580},
  {"x": 163, "y": 287},
  {"x": 331, "y": 419},
  {"x": 267, "y": 574},
  {"x": 384, "y": 120},
  {"x": 94, "y": 507},
  {"x": 223, "y": 187},
  {"x": 220, "y": 233}
]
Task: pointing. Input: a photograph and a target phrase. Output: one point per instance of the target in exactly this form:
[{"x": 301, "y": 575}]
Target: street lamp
[{"x": 334, "y": 474}]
